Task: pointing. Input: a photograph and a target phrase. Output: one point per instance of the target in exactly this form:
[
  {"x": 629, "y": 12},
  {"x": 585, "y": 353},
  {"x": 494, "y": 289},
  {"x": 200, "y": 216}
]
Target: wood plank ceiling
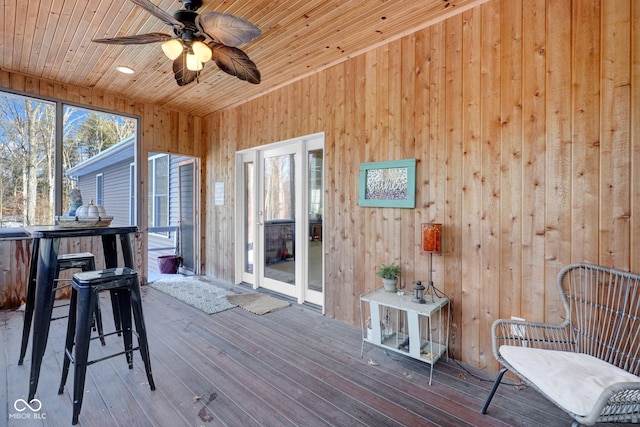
[{"x": 51, "y": 39}]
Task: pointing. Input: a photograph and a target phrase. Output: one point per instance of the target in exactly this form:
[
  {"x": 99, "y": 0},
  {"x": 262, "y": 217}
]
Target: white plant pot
[{"x": 390, "y": 285}]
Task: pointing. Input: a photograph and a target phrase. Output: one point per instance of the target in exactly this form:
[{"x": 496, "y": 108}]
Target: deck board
[{"x": 292, "y": 367}]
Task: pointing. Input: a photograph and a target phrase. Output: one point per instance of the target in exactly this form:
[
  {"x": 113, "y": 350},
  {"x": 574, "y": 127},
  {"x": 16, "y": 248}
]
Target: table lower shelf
[{"x": 430, "y": 351}]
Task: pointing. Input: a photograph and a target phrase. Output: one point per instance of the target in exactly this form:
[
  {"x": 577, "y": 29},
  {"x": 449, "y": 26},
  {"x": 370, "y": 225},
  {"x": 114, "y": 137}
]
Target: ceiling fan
[{"x": 198, "y": 39}]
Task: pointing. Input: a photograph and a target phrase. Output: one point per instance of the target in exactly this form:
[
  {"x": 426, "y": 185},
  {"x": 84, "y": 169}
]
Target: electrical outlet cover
[{"x": 517, "y": 330}]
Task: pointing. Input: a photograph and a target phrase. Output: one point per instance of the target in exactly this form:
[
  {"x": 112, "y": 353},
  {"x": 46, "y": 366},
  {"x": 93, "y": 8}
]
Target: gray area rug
[{"x": 200, "y": 294}]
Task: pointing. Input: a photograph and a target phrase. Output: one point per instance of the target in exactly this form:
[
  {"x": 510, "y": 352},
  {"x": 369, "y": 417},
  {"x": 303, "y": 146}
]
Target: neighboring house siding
[
  {"x": 117, "y": 198},
  {"x": 174, "y": 190},
  {"x": 185, "y": 181},
  {"x": 116, "y": 190}
]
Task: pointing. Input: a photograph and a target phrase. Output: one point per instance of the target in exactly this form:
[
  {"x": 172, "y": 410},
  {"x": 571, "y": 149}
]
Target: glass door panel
[
  {"x": 247, "y": 223},
  {"x": 279, "y": 220},
  {"x": 315, "y": 198},
  {"x": 249, "y": 215}
]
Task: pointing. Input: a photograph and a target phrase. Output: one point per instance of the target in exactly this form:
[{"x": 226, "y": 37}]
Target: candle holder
[{"x": 418, "y": 293}]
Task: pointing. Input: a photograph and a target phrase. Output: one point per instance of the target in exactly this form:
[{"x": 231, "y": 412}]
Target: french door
[{"x": 279, "y": 221}]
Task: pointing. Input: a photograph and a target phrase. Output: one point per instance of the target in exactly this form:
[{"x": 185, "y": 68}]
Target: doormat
[
  {"x": 204, "y": 296},
  {"x": 257, "y": 303}
]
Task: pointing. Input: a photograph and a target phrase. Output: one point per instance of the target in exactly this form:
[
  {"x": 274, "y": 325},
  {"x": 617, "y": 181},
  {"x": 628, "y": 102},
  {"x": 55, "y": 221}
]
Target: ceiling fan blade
[
  {"x": 165, "y": 17},
  {"x": 233, "y": 61},
  {"x": 227, "y": 29},
  {"x": 137, "y": 39},
  {"x": 183, "y": 75}
]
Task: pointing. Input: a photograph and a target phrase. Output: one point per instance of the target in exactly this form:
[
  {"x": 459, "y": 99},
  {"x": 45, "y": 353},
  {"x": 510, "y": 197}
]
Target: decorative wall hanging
[{"x": 388, "y": 184}]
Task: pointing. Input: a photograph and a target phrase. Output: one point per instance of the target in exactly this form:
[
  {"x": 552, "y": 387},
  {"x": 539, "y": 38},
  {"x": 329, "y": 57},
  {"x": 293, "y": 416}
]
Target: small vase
[{"x": 390, "y": 285}]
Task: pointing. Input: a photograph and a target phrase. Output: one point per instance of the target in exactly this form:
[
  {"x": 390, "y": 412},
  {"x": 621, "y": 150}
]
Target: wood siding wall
[
  {"x": 162, "y": 130},
  {"x": 524, "y": 116}
]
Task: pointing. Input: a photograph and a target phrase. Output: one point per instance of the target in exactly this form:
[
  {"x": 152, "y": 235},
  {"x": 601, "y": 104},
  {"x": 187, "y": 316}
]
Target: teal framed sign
[{"x": 389, "y": 184}]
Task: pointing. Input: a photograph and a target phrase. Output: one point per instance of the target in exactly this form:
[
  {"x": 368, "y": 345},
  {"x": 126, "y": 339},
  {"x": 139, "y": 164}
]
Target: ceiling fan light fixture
[
  {"x": 172, "y": 48},
  {"x": 193, "y": 63},
  {"x": 195, "y": 38},
  {"x": 202, "y": 51}
]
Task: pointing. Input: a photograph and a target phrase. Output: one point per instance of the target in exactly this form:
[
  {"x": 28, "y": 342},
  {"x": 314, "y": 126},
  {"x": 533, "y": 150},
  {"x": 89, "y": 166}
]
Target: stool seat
[
  {"x": 124, "y": 286},
  {"x": 105, "y": 279},
  {"x": 77, "y": 260}
]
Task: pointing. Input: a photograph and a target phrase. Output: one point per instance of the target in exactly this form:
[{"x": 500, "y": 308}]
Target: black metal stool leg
[
  {"x": 124, "y": 305},
  {"x": 97, "y": 317},
  {"x": 493, "y": 389},
  {"x": 31, "y": 298},
  {"x": 136, "y": 300},
  {"x": 86, "y": 307},
  {"x": 98, "y": 321},
  {"x": 116, "y": 311},
  {"x": 69, "y": 341}
]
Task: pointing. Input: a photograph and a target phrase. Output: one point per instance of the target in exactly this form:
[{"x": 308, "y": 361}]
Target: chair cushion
[{"x": 573, "y": 381}]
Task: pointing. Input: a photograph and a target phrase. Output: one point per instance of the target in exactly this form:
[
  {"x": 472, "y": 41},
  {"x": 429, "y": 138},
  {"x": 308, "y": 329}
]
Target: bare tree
[{"x": 25, "y": 128}]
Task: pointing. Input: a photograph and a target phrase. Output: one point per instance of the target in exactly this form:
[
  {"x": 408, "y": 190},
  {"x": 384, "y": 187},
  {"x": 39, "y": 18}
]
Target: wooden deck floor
[{"x": 292, "y": 367}]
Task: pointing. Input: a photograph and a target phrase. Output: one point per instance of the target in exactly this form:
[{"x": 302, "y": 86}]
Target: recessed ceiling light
[{"x": 125, "y": 70}]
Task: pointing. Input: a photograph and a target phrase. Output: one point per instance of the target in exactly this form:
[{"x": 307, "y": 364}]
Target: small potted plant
[{"x": 389, "y": 274}]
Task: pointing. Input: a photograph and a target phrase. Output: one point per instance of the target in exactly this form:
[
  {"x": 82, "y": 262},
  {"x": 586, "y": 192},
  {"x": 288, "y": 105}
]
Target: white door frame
[{"x": 256, "y": 155}]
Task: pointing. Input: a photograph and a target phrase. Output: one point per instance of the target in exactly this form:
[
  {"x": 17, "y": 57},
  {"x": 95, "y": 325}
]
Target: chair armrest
[
  {"x": 531, "y": 334},
  {"x": 620, "y": 402}
]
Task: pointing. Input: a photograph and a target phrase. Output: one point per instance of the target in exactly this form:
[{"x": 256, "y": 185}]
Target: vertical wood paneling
[
  {"x": 586, "y": 130},
  {"x": 615, "y": 145},
  {"x": 386, "y": 238},
  {"x": 418, "y": 129},
  {"x": 348, "y": 122},
  {"x": 14, "y": 254},
  {"x": 533, "y": 158},
  {"x": 341, "y": 200},
  {"x": 452, "y": 228},
  {"x": 517, "y": 134},
  {"x": 437, "y": 131},
  {"x": 471, "y": 184},
  {"x": 373, "y": 242},
  {"x": 490, "y": 163},
  {"x": 395, "y": 146},
  {"x": 511, "y": 157},
  {"x": 363, "y": 241},
  {"x": 558, "y": 192},
  {"x": 635, "y": 135}
]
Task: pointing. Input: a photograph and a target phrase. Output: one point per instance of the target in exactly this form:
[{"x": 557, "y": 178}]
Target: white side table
[{"x": 395, "y": 322}]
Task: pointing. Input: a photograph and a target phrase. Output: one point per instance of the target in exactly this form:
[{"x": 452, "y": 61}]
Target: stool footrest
[
  {"x": 106, "y": 335},
  {"x": 91, "y": 362}
]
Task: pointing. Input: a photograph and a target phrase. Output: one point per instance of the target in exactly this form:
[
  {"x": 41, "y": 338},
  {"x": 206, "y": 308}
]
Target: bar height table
[{"x": 46, "y": 242}]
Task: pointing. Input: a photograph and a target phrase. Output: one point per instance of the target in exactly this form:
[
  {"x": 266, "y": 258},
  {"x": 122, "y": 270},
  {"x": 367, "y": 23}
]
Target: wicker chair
[{"x": 589, "y": 364}]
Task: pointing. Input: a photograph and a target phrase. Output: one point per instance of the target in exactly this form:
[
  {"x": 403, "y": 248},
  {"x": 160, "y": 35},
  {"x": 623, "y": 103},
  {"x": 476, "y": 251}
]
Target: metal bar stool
[
  {"x": 124, "y": 285},
  {"x": 84, "y": 261}
]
